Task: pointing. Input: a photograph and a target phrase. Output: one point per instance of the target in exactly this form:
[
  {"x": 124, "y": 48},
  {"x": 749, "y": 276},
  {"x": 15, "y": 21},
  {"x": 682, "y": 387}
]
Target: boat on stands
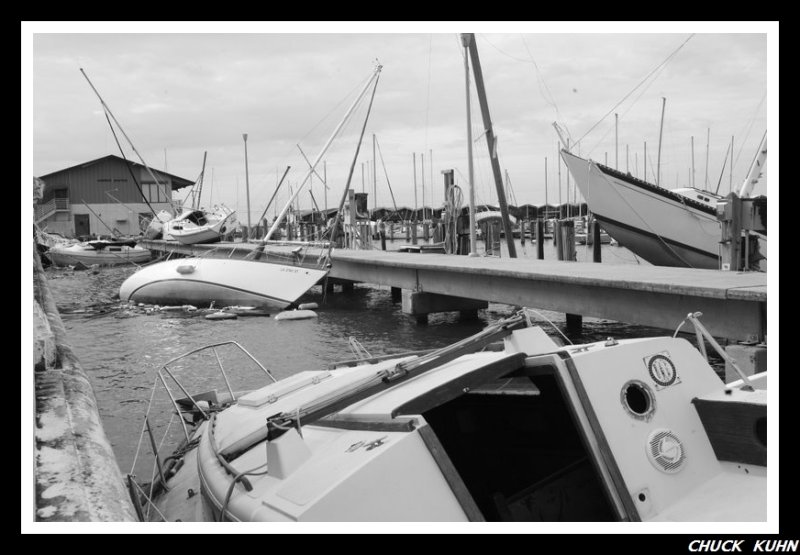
[
  {"x": 505, "y": 425},
  {"x": 104, "y": 252},
  {"x": 199, "y": 226},
  {"x": 666, "y": 227}
]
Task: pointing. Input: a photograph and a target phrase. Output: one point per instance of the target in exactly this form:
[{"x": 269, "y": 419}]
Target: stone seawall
[{"x": 76, "y": 474}]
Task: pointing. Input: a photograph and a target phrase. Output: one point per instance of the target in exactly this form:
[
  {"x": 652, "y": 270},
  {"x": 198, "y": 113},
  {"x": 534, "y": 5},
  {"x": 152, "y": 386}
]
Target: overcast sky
[{"x": 179, "y": 90}]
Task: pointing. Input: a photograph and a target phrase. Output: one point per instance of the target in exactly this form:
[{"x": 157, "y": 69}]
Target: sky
[{"x": 179, "y": 90}]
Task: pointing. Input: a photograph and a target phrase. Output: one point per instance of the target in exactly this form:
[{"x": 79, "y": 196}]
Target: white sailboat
[
  {"x": 198, "y": 226},
  {"x": 105, "y": 253},
  {"x": 666, "y": 227},
  {"x": 630, "y": 430},
  {"x": 195, "y": 225},
  {"x": 254, "y": 282}
]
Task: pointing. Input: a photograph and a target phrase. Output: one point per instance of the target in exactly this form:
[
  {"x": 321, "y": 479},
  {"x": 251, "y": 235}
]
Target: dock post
[
  {"x": 540, "y": 238},
  {"x": 522, "y": 232},
  {"x": 574, "y": 323},
  {"x": 414, "y": 233},
  {"x": 408, "y": 231},
  {"x": 557, "y": 239},
  {"x": 596, "y": 253},
  {"x": 382, "y": 228}
]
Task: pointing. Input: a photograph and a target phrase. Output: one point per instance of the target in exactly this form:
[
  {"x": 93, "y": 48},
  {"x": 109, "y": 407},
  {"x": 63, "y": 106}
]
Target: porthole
[{"x": 638, "y": 400}]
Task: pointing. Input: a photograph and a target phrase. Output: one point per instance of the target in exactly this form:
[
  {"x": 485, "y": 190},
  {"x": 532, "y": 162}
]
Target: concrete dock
[
  {"x": 733, "y": 303},
  {"x": 76, "y": 474}
]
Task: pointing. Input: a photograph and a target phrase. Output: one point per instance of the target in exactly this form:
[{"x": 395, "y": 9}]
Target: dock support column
[
  {"x": 540, "y": 238},
  {"x": 752, "y": 359},
  {"x": 596, "y": 253},
  {"x": 574, "y": 323},
  {"x": 397, "y": 294},
  {"x": 419, "y": 304}
]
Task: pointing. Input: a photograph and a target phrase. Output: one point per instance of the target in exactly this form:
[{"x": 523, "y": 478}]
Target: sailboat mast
[
  {"x": 247, "y": 186},
  {"x": 491, "y": 141},
  {"x": 374, "y": 178},
  {"x": 465, "y": 40},
  {"x": 422, "y": 176},
  {"x": 660, "y": 132},
  {"x": 708, "y": 144},
  {"x": 754, "y": 173},
  {"x": 280, "y": 217},
  {"x": 108, "y": 111},
  {"x": 545, "y": 184},
  {"x": 200, "y": 188},
  {"x": 616, "y": 141}
]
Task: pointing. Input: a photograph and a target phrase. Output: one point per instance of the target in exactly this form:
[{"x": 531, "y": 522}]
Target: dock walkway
[{"x": 733, "y": 303}]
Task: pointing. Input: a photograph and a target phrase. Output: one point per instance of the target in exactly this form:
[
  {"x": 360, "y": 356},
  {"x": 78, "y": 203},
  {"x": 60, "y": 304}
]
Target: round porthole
[
  {"x": 638, "y": 399},
  {"x": 761, "y": 430}
]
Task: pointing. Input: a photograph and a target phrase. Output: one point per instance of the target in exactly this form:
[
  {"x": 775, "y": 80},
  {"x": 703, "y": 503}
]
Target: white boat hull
[
  {"x": 188, "y": 233},
  {"x": 109, "y": 256},
  {"x": 652, "y": 222},
  {"x": 632, "y": 430},
  {"x": 225, "y": 282}
]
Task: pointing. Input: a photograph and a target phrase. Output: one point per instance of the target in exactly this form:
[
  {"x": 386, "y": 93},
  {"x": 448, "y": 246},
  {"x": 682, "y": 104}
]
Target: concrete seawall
[{"x": 76, "y": 474}]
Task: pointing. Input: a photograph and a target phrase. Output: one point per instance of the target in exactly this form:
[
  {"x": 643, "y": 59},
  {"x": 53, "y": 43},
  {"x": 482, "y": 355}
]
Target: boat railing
[
  {"x": 198, "y": 406},
  {"x": 703, "y": 335},
  {"x": 192, "y": 402}
]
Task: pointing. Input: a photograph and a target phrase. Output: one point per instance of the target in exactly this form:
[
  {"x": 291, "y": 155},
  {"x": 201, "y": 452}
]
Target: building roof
[{"x": 177, "y": 181}]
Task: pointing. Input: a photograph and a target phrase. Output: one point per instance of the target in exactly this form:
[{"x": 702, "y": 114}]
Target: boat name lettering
[{"x": 287, "y": 269}]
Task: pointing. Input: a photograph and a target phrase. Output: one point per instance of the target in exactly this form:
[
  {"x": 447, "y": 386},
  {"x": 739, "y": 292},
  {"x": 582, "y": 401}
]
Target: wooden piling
[
  {"x": 596, "y": 253},
  {"x": 540, "y": 238}
]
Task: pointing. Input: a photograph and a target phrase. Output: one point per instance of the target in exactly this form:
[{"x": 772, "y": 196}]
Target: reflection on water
[{"x": 121, "y": 350}]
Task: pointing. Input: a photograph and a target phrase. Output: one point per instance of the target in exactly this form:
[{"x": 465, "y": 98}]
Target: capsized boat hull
[
  {"x": 108, "y": 256},
  {"x": 656, "y": 224},
  {"x": 225, "y": 282}
]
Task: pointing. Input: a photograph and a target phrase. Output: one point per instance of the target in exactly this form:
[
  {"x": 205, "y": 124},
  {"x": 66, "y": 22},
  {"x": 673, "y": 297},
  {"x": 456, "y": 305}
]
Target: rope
[
  {"x": 525, "y": 312},
  {"x": 251, "y": 472},
  {"x": 144, "y": 425}
]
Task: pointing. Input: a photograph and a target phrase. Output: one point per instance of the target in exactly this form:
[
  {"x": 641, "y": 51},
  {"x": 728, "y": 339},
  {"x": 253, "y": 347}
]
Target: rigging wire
[
  {"x": 653, "y": 71},
  {"x": 749, "y": 128},
  {"x": 128, "y": 165}
]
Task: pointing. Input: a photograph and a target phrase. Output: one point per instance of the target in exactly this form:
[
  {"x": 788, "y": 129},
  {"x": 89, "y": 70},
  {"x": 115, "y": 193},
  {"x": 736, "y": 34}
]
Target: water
[{"x": 121, "y": 350}]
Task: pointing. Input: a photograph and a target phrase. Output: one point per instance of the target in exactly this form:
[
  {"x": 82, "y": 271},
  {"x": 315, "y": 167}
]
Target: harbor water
[{"x": 121, "y": 347}]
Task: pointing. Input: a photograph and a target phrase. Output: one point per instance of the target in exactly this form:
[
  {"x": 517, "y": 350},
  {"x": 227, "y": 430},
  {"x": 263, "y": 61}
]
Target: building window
[{"x": 155, "y": 193}]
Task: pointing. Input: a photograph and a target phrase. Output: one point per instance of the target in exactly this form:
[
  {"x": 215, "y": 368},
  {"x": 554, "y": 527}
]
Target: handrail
[
  {"x": 192, "y": 400},
  {"x": 701, "y": 332}
]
